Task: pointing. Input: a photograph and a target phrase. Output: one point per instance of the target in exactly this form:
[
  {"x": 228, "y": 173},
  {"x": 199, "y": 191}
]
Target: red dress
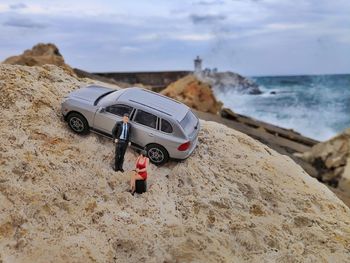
[{"x": 140, "y": 166}]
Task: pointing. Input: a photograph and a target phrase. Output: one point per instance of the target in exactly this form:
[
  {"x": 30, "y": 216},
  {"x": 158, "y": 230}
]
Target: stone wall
[{"x": 157, "y": 79}]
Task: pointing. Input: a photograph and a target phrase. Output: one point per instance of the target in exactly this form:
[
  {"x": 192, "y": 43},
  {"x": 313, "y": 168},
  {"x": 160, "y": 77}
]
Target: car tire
[
  {"x": 78, "y": 123},
  {"x": 157, "y": 154}
]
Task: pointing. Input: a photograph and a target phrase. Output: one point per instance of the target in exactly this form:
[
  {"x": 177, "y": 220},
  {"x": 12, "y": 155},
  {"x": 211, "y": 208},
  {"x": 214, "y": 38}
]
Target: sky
[{"x": 251, "y": 37}]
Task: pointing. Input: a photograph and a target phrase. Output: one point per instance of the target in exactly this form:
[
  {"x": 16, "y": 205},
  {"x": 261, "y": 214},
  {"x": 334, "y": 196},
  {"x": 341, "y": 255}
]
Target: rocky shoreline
[{"x": 328, "y": 161}]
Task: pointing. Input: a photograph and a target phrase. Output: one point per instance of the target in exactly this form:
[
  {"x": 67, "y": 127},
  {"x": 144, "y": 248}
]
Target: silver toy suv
[{"x": 165, "y": 127}]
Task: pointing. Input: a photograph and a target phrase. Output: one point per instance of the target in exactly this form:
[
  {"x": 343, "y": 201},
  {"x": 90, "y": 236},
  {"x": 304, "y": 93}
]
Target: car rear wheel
[
  {"x": 78, "y": 123},
  {"x": 157, "y": 154}
]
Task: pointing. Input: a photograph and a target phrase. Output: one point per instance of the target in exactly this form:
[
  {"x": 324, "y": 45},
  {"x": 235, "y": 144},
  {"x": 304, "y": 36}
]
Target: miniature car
[{"x": 164, "y": 127}]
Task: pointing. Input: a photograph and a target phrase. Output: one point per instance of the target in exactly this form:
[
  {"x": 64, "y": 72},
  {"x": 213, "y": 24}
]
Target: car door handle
[{"x": 151, "y": 134}]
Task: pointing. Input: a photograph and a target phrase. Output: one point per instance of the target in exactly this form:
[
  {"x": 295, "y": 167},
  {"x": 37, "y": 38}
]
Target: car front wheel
[
  {"x": 157, "y": 154},
  {"x": 78, "y": 123}
]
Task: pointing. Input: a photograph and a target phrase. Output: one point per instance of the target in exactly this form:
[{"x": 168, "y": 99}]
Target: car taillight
[{"x": 184, "y": 146}]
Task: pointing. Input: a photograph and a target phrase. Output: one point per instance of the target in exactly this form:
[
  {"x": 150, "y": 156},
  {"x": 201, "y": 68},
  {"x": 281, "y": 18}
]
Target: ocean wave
[{"x": 317, "y": 109}]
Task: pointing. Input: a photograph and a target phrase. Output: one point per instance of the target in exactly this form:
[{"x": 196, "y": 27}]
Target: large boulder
[
  {"x": 194, "y": 93},
  {"x": 233, "y": 200},
  {"x": 332, "y": 160},
  {"x": 40, "y": 54}
]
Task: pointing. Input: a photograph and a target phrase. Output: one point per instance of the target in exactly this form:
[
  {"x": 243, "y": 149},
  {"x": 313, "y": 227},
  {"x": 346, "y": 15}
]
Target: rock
[
  {"x": 335, "y": 161},
  {"x": 40, "y": 54},
  {"x": 331, "y": 159},
  {"x": 280, "y": 134},
  {"x": 332, "y": 178},
  {"x": 344, "y": 183},
  {"x": 194, "y": 93},
  {"x": 231, "y": 201},
  {"x": 230, "y": 82}
]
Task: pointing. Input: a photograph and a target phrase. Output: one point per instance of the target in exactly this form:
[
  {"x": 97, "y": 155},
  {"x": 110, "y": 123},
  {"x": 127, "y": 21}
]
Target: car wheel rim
[
  {"x": 156, "y": 155},
  {"x": 76, "y": 124}
]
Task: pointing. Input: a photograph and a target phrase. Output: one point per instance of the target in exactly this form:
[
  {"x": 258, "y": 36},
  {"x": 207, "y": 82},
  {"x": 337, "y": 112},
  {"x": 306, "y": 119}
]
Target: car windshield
[
  {"x": 109, "y": 97},
  {"x": 189, "y": 122}
]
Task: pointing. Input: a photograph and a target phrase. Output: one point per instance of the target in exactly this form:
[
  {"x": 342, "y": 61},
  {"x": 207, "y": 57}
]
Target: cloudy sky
[{"x": 252, "y": 37}]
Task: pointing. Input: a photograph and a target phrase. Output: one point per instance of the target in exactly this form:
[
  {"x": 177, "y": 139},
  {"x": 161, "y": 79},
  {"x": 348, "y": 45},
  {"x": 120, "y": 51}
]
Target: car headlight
[{"x": 64, "y": 105}]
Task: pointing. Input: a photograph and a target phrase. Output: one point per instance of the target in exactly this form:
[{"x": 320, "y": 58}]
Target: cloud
[
  {"x": 18, "y": 6},
  {"x": 23, "y": 23},
  {"x": 129, "y": 49},
  {"x": 229, "y": 34},
  {"x": 178, "y": 36},
  {"x": 192, "y": 37},
  {"x": 206, "y": 3},
  {"x": 206, "y": 19}
]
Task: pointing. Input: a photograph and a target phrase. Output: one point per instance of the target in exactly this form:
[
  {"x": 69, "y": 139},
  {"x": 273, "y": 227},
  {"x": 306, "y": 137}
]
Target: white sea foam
[{"x": 316, "y": 111}]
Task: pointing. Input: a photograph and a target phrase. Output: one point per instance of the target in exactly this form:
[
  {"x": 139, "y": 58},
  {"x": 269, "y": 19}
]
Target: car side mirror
[{"x": 102, "y": 110}]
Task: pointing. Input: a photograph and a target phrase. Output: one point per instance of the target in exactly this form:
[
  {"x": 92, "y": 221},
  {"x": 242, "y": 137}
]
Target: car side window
[
  {"x": 146, "y": 119},
  {"x": 119, "y": 109},
  {"x": 166, "y": 126}
]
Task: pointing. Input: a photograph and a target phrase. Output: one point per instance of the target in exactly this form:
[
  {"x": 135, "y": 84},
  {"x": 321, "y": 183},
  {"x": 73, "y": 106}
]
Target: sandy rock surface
[
  {"x": 40, "y": 54},
  {"x": 234, "y": 200},
  {"x": 194, "y": 93}
]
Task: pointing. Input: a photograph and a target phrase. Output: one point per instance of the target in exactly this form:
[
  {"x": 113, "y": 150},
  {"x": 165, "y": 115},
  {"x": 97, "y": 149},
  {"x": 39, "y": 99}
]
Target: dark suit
[{"x": 123, "y": 141}]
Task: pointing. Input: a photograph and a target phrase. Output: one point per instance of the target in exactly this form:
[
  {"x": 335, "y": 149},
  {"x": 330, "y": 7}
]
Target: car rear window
[
  {"x": 189, "y": 122},
  {"x": 166, "y": 126}
]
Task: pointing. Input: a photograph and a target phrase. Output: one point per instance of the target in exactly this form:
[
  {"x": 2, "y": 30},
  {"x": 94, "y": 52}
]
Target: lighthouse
[{"x": 198, "y": 65}]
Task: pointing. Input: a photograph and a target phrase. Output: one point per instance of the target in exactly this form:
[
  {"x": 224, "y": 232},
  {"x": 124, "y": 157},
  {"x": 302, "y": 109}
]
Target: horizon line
[{"x": 250, "y": 75}]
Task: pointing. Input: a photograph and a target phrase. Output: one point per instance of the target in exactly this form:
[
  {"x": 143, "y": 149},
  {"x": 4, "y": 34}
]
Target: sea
[{"x": 317, "y": 106}]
